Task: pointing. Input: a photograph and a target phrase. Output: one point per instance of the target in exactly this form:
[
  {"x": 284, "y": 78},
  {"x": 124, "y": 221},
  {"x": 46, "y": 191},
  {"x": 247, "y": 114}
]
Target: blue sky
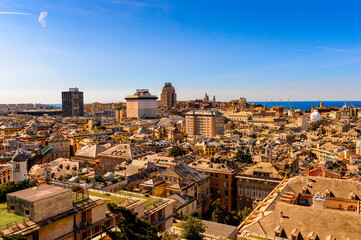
[{"x": 261, "y": 50}]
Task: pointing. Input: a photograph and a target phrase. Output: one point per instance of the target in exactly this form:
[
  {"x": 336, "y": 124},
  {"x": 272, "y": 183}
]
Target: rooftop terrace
[{"x": 9, "y": 219}]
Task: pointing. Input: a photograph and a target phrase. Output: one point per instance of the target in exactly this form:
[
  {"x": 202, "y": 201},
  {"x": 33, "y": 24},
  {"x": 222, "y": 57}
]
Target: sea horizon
[{"x": 301, "y": 105}]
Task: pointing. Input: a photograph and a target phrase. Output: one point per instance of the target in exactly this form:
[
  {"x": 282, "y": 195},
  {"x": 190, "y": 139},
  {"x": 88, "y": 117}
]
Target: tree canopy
[
  {"x": 192, "y": 229},
  {"x": 13, "y": 237},
  {"x": 130, "y": 226},
  {"x": 176, "y": 151},
  {"x": 243, "y": 155},
  {"x": 11, "y": 186}
]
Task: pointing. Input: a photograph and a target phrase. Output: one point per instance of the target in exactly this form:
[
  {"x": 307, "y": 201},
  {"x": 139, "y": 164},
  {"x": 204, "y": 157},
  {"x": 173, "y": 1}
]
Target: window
[
  {"x": 12, "y": 207},
  {"x": 226, "y": 176},
  {"x": 241, "y": 191},
  {"x": 253, "y": 193},
  {"x": 226, "y": 193},
  {"x": 225, "y": 184},
  {"x": 259, "y": 193},
  {"x": 247, "y": 192},
  {"x": 170, "y": 178},
  {"x": 27, "y": 212}
]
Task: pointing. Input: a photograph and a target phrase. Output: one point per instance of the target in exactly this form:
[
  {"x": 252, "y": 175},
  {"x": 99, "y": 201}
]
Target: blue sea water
[
  {"x": 307, "y": 105},
  {"x": 55, "y": 105},
  {"x": 302, "y": 105}
]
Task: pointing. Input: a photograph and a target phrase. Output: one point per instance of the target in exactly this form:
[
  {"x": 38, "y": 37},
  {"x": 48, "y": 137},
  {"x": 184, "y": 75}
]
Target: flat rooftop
[{"x": 39, "y": 193}]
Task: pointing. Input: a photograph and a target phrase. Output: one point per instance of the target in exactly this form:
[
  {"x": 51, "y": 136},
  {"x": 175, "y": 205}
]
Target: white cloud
[
  {"x": 42, "y": 19},
  {"x": 15, "y": 13}
]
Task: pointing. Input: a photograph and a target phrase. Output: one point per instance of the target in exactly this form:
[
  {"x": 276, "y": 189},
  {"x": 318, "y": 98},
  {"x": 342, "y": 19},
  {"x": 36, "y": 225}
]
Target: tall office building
[
  {"x": 204, "y": 123},
  {"x": 168, "y": 98},
  {"x": 73, "y": 103},
  {"x": 141, "y": 105}
]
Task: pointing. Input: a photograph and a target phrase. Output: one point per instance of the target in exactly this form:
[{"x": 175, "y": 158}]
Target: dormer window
[
  {"x": 328, "y": 193},
  {"x": 353, "y": 196}
]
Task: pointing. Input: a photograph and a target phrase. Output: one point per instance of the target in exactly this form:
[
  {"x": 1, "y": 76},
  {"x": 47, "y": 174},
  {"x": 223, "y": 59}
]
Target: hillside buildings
[
  {"x": 119, "y": 154},
  {"x": 72, "y": 103},
  {"x": 255, "y": 183},
  {"x": 222, "y": 179},
  {"x": 308, "y": 208},
  {"x": 204, "y": 123},
  {"x": 168, "y": 96},
  {"x": 141, "y": 105}
]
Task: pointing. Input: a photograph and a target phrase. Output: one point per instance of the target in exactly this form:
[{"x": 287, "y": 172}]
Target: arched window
[{"x": 352, "y": 208}]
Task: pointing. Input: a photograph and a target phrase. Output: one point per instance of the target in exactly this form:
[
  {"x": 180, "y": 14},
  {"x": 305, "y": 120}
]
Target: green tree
[
  {"x": 176, "y": 151},
  {"x": 192, "y": 229},
  {"x": 243, "y": 155},
  {"x": 114, "y": 180},
  {"x": 99, "y": 179},
  {"x": 130, "y": 226},
  {"x": 13, "y": 237},
  {"x": 77, "y": 188},
  {"x": 218, "y": 211},
  {"x": 244, "y": 213},
  {"x": 11, "y": 186}
]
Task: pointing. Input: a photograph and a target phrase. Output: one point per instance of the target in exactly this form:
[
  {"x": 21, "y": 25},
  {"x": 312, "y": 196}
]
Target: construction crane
[{"x": 289, "y": 103}]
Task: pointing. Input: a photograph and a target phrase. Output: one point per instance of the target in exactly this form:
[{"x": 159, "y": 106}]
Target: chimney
[{"x": 319, "y": 201}]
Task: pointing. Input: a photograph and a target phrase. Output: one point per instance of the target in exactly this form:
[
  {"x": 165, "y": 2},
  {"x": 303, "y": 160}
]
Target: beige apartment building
[
  {"x": 255, "y": 183},
  {"x": 222, "y": 179},
  {"x": 204, "y": 123},
  {"x": 141, "y": 105}
]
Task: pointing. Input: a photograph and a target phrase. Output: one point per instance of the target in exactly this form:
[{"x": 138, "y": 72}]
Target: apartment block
[
  {"x": 72, "y": 103},
  {"x": 141, "y": 105},
  {"x": 204, "y": 123}
]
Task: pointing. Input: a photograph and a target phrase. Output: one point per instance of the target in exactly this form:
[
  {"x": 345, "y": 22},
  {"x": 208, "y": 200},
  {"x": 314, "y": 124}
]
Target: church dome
[
  {"x": 345, "y": 106},
  {"x": 19, "y": 157},
  {"x": 315, "y": 116}
]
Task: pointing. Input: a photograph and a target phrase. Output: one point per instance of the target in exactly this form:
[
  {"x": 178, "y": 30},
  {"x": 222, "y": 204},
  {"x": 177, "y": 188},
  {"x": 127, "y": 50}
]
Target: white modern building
[{"x": 141, "y": 105}]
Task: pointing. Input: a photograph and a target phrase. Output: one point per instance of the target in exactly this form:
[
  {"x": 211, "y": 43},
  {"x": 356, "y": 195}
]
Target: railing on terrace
[
  {"x": 80, "y": 196},
  {"x": 14, "y": 223}
]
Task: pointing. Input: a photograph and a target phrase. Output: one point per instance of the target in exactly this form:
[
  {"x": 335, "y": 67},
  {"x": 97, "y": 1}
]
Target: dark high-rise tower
[
  {"x": 168, "y": 98},
  {"x": 72, "y": 103}
]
